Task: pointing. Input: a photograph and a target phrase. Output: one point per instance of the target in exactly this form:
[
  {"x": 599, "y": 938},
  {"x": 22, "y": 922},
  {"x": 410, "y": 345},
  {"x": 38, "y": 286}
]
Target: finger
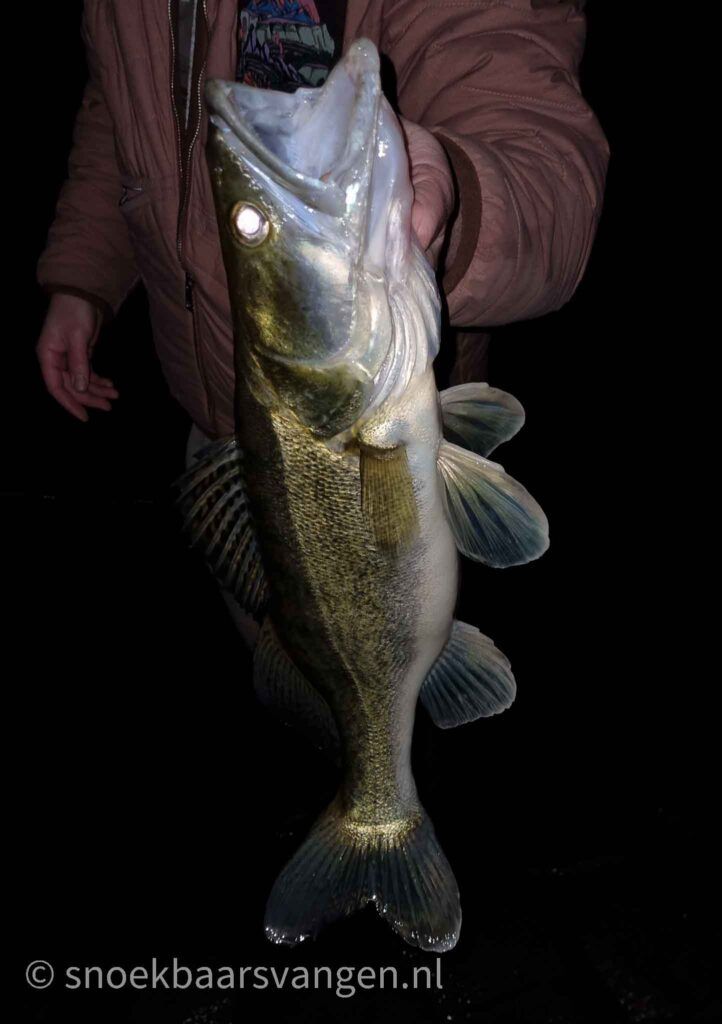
[
  {"x": 92, "y": 402},
  {"x": 95, "y": 379},
  {"x": 52, "y": 366},
  {"x": 87, "y": 398},
  {"x": 428, "y": 215},
  {"x": 68, "y": 403},
  {"x": 78, "y": 361},
  {"x": 102, "y": 390},
  {"x": 434, "y": 251}
]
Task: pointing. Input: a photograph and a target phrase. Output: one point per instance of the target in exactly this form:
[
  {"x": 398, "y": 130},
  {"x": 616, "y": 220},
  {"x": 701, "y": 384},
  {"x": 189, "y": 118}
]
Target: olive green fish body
[
  {"x": 340, "y": 520},
  {"x": 346, "y": 612}
]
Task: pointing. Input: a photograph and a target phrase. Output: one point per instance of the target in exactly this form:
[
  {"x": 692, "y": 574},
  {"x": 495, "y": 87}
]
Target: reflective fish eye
[{"x": 250, "y": 225}]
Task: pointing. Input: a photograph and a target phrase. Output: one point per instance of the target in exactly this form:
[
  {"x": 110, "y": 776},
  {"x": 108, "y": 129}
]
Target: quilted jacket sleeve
[
  {"x": 88, "y": 251},
  {"x": 497, "y": 83}
]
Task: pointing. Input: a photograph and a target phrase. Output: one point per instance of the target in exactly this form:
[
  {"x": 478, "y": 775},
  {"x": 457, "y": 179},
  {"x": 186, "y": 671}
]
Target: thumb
[
  {"x": 427, "y": 213},
  {"x": 78, "y": 359}
]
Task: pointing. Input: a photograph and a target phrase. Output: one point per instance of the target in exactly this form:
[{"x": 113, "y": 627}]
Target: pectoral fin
[
  {"x": 478, "y": 417},
  {"x": 470, "y": 679},
  {"x": 212, "y": 501},
  {"x": 493, "y": 518},
  {"x": 387, "y": 496}
]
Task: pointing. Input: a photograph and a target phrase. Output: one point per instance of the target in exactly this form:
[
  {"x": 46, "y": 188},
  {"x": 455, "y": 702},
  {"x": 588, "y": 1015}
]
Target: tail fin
[{"x": 341, "y": 866}]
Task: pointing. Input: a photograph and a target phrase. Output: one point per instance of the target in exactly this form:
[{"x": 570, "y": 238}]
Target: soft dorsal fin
[
  {"x": 387, "y": 496},
  {"x": 479, "y": 417},
  {"x": 470, "y": 679},
  {"x": 493, "y": 518},
  {"x": 212, "y": 500}
]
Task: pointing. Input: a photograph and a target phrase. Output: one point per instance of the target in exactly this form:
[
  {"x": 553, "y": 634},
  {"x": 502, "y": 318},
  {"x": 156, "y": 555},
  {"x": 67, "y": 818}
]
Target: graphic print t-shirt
[{"x": 284, "y": 44}]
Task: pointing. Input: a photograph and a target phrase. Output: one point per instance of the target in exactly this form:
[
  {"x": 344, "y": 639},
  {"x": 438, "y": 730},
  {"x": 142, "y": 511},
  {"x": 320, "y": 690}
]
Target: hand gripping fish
[{"x": 337, "y": 511}]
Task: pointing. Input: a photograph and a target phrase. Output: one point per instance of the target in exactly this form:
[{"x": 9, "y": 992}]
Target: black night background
[{"x": 153, "y": 801}]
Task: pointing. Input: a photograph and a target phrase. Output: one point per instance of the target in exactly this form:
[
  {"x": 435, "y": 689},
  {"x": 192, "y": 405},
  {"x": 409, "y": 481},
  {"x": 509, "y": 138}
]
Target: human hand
[
  {"x": 434, "y": 192},
  {"x": 64, "y": 351}
]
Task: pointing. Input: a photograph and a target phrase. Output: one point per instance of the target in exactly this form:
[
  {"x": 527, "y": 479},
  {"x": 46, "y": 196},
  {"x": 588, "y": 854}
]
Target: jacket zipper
[{"x": 184, "y": 161}]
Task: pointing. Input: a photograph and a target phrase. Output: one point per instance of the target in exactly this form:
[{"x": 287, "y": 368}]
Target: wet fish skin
[
  {"x": 345, "y": 481},
  {"x": 351, "y": 616}
]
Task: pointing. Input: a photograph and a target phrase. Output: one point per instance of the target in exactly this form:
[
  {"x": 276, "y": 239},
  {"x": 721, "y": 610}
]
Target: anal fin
[
  {"x": 470, "y": 679},
  {"x": 281, "y": 687}
]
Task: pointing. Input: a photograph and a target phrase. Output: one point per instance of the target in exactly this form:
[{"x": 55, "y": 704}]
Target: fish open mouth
[{"x": 315, "y": 143}]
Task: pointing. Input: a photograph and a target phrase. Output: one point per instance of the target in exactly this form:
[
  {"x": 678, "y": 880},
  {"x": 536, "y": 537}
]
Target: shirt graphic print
[{"x": 283, "y": 44}]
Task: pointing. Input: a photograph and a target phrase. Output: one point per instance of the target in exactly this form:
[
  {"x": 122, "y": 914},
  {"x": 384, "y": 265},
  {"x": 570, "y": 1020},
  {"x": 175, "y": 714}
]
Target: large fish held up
[{"x": 337, "y": 511}]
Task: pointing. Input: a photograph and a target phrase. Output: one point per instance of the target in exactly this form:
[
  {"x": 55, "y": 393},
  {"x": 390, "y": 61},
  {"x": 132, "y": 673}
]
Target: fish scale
[
  {"x": 351, "y": 485},
  {"x": 345, "y": 609}
]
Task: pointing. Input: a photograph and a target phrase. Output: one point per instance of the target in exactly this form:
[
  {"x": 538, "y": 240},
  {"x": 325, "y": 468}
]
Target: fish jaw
[
  {"x": 323, "y": 174},
  {"x": 292, "y": 302},
  {"x": 304, "y": 160}
]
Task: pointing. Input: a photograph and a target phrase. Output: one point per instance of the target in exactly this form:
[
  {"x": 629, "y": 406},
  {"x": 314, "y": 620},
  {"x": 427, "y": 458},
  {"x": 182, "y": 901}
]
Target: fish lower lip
[{"x": 272, "y": 131}]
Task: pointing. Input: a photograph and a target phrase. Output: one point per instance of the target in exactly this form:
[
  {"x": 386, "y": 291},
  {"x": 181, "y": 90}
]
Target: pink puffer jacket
[{"x": 495, "y": 81}]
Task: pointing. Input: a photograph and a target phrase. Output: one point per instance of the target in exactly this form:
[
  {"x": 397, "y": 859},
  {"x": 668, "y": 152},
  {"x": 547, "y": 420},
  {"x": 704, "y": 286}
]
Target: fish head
[{"x": 313, "y": 200}]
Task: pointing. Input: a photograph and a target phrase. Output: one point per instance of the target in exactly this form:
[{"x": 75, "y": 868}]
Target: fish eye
[{"x": 250, "y": 224}]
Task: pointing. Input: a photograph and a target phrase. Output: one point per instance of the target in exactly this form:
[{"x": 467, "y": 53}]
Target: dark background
[{"x": 154, "y": 802}]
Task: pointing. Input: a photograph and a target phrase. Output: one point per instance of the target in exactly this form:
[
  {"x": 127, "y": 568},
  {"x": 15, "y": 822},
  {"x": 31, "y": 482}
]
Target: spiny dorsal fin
[
  {"x": 387, "y": 496},
  {"x": 212, "y": 500},
  {"x": 280, "y": 686},
  {"x": 493, "y": 518},
  {"x": 470, "y": 679},
  {"x": 478, "y": 417}
]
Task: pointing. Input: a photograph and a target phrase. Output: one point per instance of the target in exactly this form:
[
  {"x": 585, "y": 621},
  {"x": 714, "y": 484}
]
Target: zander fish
[{"x": 336, "y": 512}]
